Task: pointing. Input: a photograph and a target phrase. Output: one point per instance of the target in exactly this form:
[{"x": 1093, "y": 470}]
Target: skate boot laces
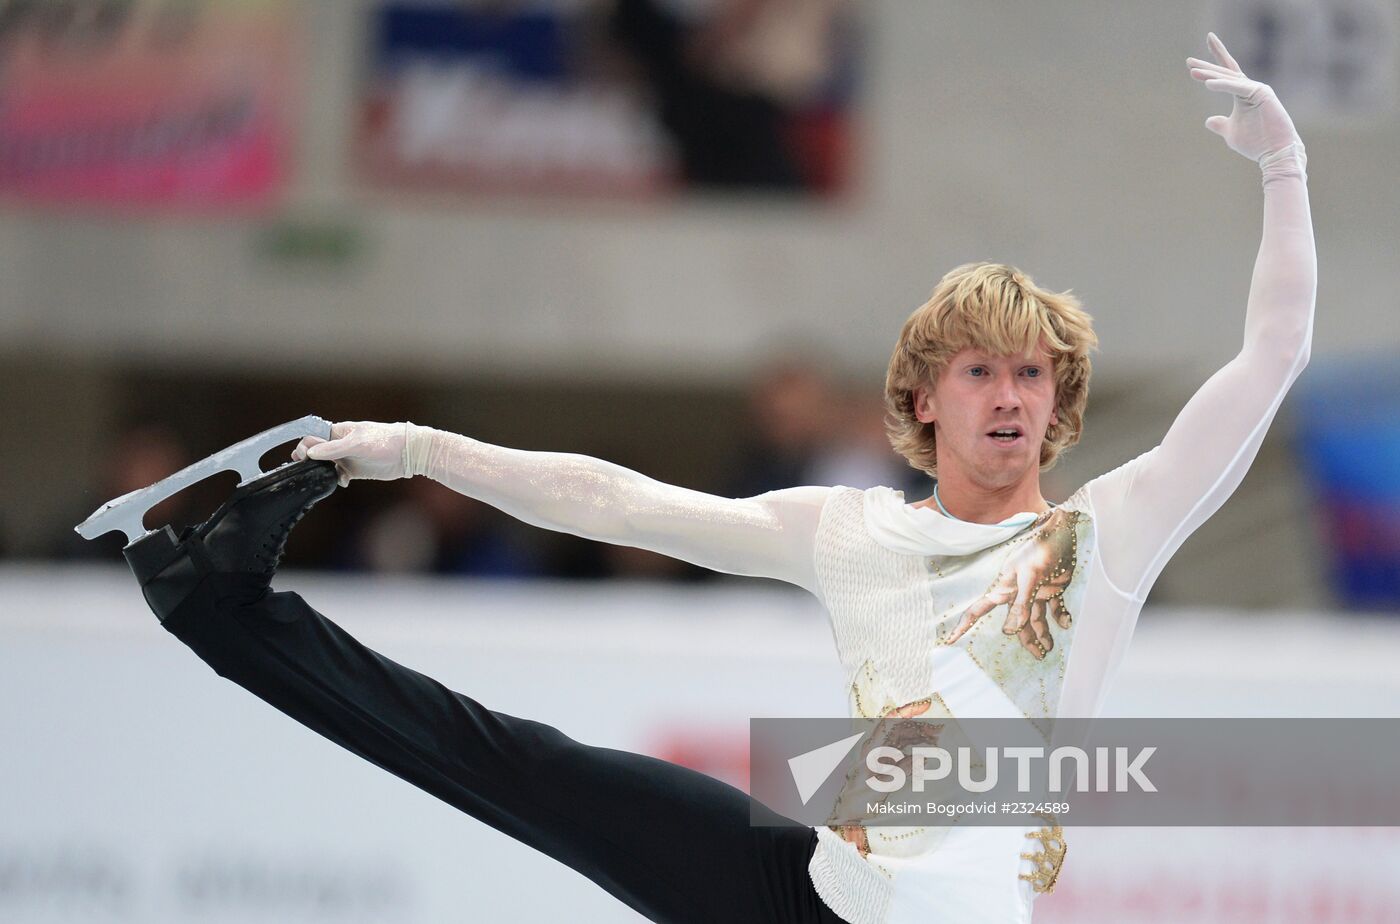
[
  {"x": 274, "y": 546},
  {"x": 248, "y": 534}
]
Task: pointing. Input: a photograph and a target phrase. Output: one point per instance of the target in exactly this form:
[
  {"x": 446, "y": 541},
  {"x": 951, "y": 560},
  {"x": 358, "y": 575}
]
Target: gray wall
[{"x": 1066, "y": 138}]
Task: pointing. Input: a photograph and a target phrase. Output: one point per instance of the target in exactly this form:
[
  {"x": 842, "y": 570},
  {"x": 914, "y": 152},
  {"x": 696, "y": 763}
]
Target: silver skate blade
[{"x": 126, "y": 512}]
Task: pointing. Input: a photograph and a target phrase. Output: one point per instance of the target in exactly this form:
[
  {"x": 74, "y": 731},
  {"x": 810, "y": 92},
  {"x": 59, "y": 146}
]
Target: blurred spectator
[
  {"x": 729, "y": 77},
  {"x": 790, "y": 409},
  {"x": 804, "y": 429},
  {"x": 435, "y": 530},
  {"x": 858, "y": 453}
]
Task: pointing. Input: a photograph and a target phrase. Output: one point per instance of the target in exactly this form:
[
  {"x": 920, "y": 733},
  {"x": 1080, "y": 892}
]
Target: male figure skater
[{"x": 983, "y": 600}]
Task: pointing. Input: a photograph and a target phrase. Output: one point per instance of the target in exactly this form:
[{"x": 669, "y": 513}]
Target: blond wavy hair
[{"x": 998, "y": 309}]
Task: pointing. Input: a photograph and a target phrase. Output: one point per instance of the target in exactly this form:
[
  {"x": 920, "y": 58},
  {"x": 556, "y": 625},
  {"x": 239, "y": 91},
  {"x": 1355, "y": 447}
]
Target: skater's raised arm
[
  {"x": 770, "y": 535},
  {"x": 1160, "y": 498}
]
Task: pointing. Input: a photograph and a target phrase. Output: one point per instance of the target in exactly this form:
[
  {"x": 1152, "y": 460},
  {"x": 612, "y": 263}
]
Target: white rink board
[{"x": 135, "y": 785}]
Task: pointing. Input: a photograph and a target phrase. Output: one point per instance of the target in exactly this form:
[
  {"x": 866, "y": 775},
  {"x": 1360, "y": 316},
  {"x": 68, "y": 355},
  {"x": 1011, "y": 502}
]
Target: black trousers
[{"x": 672, "y": 843}]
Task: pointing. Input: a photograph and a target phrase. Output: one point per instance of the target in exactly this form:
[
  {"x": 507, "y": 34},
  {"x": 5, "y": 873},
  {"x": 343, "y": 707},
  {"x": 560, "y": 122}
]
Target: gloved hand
[
  {"x": 1258, "y": 125},
  {"x": 361, "y": 449}
]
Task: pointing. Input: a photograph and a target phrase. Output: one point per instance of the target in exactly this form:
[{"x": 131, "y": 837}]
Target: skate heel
[
  {"x": 149, "y": 555},
  {"x": 231, "y": 557},
  {"x": 151, "y": 559}
]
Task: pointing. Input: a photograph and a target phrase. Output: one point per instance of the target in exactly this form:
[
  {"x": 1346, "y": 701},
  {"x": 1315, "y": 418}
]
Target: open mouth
[{"x": 1006, "y": 436}]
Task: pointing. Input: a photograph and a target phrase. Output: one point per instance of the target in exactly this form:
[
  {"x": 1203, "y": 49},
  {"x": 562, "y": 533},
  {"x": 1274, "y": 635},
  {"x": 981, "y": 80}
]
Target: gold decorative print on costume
[
  {"x": 1049, "y": 860},
  {"x": 870, "y": 699},
  {"x": 897, "y": 730},
  {"x": 1003, "y": 614},
  {"x": 1031, "y": 584}
]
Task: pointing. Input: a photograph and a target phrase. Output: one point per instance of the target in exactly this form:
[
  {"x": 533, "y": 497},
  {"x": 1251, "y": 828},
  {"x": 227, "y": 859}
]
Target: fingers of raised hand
[
  {"x": 1216, "y": 79},
  {"x": 1241, "y": 87},
  {"x": 1222, "y": 55},
  {"x": 1203, "y": 70}
]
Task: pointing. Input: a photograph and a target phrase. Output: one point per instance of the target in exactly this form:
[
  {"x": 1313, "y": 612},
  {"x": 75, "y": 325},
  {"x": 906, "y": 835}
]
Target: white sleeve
[
  {"x": 772, "y": 535},
  {"x": 1150, "y": 505}
]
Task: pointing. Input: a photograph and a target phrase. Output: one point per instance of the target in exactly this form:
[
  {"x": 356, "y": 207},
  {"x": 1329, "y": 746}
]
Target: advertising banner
[
  {"x": 626, "y": 98},
  {"x": 144, "y": 103}
]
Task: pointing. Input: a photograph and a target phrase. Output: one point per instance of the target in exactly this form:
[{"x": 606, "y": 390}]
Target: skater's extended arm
[
  {"x": 1154, "y": 502},
  {"x": 770, "y": 535}
]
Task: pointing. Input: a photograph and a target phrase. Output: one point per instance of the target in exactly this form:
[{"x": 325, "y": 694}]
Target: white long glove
[
  {"x": 361, "y": 449},
  {"x": 1258, "y": 126},
  {"x": 771, "y": 535}
]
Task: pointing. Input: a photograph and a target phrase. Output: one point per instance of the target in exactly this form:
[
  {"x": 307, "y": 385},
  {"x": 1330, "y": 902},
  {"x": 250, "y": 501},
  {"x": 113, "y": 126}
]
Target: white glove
[
  {"x": 361, "y": 449},
  {"x": 1258, "y": 125}
]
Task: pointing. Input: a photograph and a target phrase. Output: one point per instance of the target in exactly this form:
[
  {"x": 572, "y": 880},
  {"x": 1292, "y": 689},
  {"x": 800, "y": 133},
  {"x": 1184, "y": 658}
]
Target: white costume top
[{"x": 896, "y": 579}]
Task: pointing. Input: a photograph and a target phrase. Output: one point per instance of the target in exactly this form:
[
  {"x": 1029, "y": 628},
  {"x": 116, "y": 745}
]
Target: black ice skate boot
[{"x": 236, "y": 550}]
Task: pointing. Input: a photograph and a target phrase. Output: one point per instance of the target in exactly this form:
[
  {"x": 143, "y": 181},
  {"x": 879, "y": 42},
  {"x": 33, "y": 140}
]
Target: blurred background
[{"x": 677, "y": 234}]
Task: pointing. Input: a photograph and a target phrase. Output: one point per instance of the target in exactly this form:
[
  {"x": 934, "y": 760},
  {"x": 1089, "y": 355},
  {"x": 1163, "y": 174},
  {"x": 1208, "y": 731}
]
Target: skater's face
[{"x": 979, "y": 393}]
